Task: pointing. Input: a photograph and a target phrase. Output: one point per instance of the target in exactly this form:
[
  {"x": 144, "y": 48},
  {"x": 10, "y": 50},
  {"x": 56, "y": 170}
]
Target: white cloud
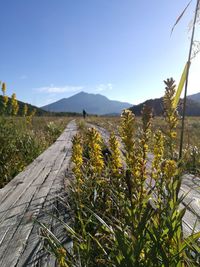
[
  {"x": 58, "y": 90},
  {"x": 103, "y": 87},
  {"x": 70, "y": 88}
]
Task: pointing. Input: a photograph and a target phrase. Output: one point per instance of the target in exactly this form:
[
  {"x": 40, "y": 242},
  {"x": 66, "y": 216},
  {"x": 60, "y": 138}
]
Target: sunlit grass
[{"x": 22, "y": 142}]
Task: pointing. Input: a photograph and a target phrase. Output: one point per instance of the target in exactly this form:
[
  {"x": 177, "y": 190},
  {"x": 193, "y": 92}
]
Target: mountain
[
  {"x": 39, "y": 111},
  {"x": 91, "y": 103},
  {"x": 192, "y": 107},
  {"x": 195, "y": 97}
]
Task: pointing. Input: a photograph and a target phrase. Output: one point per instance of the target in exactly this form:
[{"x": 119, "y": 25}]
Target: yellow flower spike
[
  {"x": 171, "y": 116},
  {"x": 25, "y": 110},
  {"x": 14, "y": 104},
  {"x": 170, "y": 169},
  {"x": 115, "y": 162},
  {"x": 30, "y": 117},
  {"x": 77, "y": 155},
  {"x": 141, "y": 156},
  {"x": 95, "y": 152},
  {"x": 5, "y": 101},
  {"x": 158, "y": 154},
  {"x": 62, "y": 257},
  {"x": 126, "y": 130},
  {"x": 5, "y": 97}
]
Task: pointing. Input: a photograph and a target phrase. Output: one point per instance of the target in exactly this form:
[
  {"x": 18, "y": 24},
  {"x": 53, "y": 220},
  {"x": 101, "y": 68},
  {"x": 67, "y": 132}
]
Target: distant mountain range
[
  {"x": 195, "y": 97},
  {"x": 192, "y": 106},
  {"x": 101, "y": 105},
  {"x": 91, "y": 103}
]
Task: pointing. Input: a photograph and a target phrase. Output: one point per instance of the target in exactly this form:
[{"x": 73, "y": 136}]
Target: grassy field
[
  {"x": 191, "y": 147},
  {"x": 192, "y": 127},
  {"x": 22, "y": 142}
]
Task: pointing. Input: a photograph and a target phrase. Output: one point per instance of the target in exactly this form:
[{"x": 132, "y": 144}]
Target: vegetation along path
[
  {"x": 27, "y": 198},
  {"x": 190, "y": 188},
  {"x": 35, "y": 194}
]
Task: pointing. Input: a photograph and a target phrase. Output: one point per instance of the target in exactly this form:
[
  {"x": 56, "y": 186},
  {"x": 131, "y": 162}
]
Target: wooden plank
[
  {"x": 191, "y": 200},
  {"x": 10, "y": 187},
  {"x": 20, "y": 191},
  {"x": 56, "y": 188},
  {"x": 31, "y": 176},
  {"x": 19, "y": 245},
  {"x": 191, "y": 221},
  {"x": 33, "y": 246},
  {"x": 20, "y": 212}
]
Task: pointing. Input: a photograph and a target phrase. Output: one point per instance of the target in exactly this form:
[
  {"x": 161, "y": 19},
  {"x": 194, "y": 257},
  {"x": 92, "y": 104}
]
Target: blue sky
[{"x": 50, "y": 49}]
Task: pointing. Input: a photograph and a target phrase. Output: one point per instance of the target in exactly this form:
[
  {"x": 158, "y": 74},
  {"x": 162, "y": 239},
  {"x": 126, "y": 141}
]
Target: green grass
[
  {"x": 191, "y": 152},
  {"x": 192, "y": 126},
  {"x": 21, "y": 143}
]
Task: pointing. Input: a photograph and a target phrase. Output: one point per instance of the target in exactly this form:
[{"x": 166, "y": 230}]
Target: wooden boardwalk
[
  {"x": 36, "y": 192},
  {"x": 27, "y": 197}
]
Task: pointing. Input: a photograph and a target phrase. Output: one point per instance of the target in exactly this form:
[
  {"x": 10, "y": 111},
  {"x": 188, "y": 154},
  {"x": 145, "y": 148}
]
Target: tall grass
[
  {"x": 127, "y": 213},
  {"x": 22, "y": 139},
  {"x": 191, "y": 152},
  {"x": 21, "y": 142}
]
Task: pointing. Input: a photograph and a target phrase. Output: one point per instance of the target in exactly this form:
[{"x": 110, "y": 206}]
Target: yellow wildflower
[
  {"x": 127, "y": 135},
  {"x": 5, "y": 97},
  {"x": 30, "y": 117},
  {"x": 62, "y": 257},
  {"x": 25, "y": 110},
  {"x": 115, "y": 162},
  {"x": 158, "y": 154},
  {"x": 171, "y": 116},
  {"x": 5, "y": 101},
  {"x": 77, "y": 155},
  {"x": 170, "y": 169},
  {"x": 14, "y": 104},
  {"x": 95, "y": 152}
]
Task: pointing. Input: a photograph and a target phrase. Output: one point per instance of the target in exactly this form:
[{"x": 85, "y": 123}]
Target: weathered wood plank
[
  {"x": 25, "y": 197},
  {"x": 39, "y": 255}
]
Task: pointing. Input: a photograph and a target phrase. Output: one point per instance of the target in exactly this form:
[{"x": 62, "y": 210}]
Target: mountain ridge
[
  {"x": 39, "y": 111},
  {"x": 92, "y": 103},
  {"x": 195, "y": 97},
  {"x": 192, "y": 107},
  {"x": 101, "y": 105}
]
